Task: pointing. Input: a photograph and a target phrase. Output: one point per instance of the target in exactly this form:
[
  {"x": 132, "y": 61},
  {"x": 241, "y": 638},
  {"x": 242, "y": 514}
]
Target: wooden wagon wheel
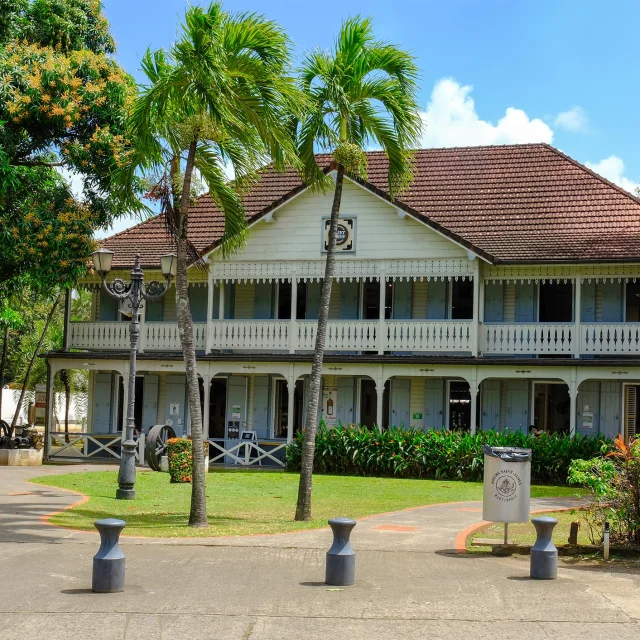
[
  {"x": 5, "y": 429},
  {"x": 157, "y": 444}
]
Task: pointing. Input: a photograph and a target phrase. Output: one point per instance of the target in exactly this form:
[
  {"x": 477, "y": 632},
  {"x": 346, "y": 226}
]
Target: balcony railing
[{"x": 390, "y": 336}]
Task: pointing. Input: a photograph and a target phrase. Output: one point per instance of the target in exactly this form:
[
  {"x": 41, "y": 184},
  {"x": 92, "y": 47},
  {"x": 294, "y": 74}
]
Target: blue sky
[{"x": 492, "y": 71}]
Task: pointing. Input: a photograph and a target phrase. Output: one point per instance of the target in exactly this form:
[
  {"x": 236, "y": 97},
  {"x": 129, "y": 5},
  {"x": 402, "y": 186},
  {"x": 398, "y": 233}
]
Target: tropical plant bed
[{"x": 242, "y": 502}]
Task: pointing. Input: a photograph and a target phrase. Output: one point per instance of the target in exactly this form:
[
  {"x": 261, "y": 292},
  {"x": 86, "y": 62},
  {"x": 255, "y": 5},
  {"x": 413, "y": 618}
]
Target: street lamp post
[{"x": 135, "y": 291}]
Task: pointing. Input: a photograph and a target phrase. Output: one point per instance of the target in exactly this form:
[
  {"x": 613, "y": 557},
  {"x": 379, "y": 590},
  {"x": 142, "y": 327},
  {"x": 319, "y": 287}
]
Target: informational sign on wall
[
  {"x": 235, "y": 412},
  {"x": 329, "y": 405},
  {"x": 174, "y": 408},
  {"x": 587, "y": 420},
  {"x": 41, "y": 404}
]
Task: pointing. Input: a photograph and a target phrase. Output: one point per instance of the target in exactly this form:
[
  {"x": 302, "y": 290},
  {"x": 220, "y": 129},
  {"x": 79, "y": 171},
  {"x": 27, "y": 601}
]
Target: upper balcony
[{"x": 400, "y": 314}]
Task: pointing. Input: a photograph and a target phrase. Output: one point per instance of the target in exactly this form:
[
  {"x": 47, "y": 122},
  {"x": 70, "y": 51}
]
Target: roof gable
[{"x": 517, "y": 203}]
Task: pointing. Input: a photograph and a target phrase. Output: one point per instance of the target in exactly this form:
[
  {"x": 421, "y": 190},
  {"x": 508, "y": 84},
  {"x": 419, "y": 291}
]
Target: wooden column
[
  {"x": 577, "y": 345},
  {"x": 379, "y": 404},
  {"x": 206, "y": 380},
  {"x": 475, "y": 333},
  {"x": 473, "y": 388},
  {"x": 221, "y": 301},
  {"x": 381, "y": 325},
  {"x": 573, "y": 407},
  {"x": 210, "y": 291},
  {"x": 293, "y": 333},
  {"x": 291, "y": 389}
]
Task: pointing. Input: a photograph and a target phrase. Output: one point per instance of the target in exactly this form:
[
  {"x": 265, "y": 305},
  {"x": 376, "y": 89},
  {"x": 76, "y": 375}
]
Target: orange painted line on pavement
[
  {"x": 461, "y": 538},
  {"x": 395, "y": 527}
]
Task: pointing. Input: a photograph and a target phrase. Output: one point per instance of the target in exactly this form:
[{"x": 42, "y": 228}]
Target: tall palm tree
[
  {"x": 220, "y": 96},
  {"x": 361, "y": 93}
]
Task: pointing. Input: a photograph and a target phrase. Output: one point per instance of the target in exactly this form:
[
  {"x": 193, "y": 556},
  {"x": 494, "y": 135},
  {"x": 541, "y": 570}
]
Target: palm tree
[
  {"x": 220, "y": 96},
  {"x": 361, "y": 93}
]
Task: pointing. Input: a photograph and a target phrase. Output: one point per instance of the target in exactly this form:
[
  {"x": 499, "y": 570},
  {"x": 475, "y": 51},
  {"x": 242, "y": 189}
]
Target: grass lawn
[
  {"x": 524, "y": 532},
  {"x": 243, "y": 502}
]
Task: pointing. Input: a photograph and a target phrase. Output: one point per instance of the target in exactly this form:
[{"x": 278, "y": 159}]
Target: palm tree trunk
[
  {"x": 3, "y": 363},
  {"x": 64, "y": 375},
  {"x": 198, "y": 513},
  {"x": 32, "y": 361},
  {"x": 303, "y": 507}
]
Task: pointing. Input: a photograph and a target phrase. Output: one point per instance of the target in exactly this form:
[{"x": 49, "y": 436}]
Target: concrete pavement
[{"x": 409, "y": 585}]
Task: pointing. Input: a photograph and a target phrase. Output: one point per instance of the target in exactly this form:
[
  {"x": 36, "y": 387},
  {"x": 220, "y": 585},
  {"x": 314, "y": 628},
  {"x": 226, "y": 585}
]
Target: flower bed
[{"x": 450, "y": 455}]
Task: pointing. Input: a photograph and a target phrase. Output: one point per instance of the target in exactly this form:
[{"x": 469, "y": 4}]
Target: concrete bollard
[
  {"x": 108, "y": 563},
  {"x": 341, "y": 559},
  {"x": 544, "y": 555}
]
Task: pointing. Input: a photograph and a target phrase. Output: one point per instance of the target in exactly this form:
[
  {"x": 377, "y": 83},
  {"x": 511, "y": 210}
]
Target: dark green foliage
[{"x": 450, "y": 455}]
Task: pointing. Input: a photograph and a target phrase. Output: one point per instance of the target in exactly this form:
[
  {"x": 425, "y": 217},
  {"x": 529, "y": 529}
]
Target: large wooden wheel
[{"x": 156, "y": 445}]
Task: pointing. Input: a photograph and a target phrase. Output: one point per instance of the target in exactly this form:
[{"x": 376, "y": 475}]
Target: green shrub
[
  {"x": 180, "y": 459},
  {"x": 451, "y": 455}
]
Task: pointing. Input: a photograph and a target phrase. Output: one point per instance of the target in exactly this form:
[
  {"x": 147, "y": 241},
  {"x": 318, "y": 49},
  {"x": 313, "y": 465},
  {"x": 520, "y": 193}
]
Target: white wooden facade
[{"x": 412, "y": 357}]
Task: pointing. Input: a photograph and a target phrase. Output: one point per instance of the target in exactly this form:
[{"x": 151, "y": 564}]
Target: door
[
  {"x": 459, "y": 406},
  {"x": 261, "y": 395},
  {"x": 434, "y": 404},
  {"x": 461, "y": 300},
  {"x": 175, "y": 404},
  {"x": 400, "y": 401},
  {"x": 525, "y": 302},
  {"x": 217, "y": 408},
  {"x": 517, "y": 405},
  {"x": 102, "y": 394},
  {"x": 494, "y": 302},
  {"x": 588, "y": 301},
  {"x": 371, "y": 300},
  {"x": 349, "y": 300},
  {"x": 490, "y": 405},
  {"x": 368, "y": 403},
  {"x": 236, "y": 406},
  {"x": 313, "y": 294},
  {"x": 556, "y": 302},
  {"x": 198, "y": 303},
  {"x": 263, "y": 301},
  {"x": 346, "y": 396},
  {"x": 402, "y": 299},
  {"x": 108, "y": 310},
  {"x": 436, "y": 300},
  {"x": 150, "y": 402},
  {"x": 611, "y": 302},
  {"x": 610, "y": 403},
  {"x": 588, "y": 408}
]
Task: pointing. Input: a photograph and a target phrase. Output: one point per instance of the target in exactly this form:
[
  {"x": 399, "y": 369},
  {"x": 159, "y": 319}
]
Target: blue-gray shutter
[
  {"x": 176, "y": 392},
  {"x": 402, "y": 299},
  {"x": 434, "y": 404},
  {"x": 349, "y": 300},
  {"x": 525, "y": 302},
  {"x": 588, "y": 394},
  {"x": 261, "y": 406},
  {"x": 610, "y": 403},
  {"x": 229, "y": 297},
  {"x": 108, "y": 311},
  {"x": 400, "y": 401},
  {"x": 314, "y": 292},
  {"x": 102, "y": 410},
  {"x": 494, "y": 302},
  {"x": 344, "y": 413},
  {"x": 154, "y": 311},
  {"x": 437, "y": 300},
  {"x": 517, "y": 405},
  {"x": 588, "y": 301},
  {"x": 612, "y": 302},
  {"x": 198, "y": 303},
  {"x": 490, "y": 405},
  {"x": 150, "y": 402},
  {"x": 263, "y": 301}
]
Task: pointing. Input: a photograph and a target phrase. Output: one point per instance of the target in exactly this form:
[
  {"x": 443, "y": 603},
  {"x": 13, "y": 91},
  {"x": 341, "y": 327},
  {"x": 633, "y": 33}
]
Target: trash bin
[{"x": 507, "y": 484}]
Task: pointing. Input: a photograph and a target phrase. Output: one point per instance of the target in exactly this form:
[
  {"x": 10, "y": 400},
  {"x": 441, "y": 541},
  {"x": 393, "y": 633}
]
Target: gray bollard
[
  {"x": 544, "y": 555},
  {"x": 341, "y": 559},
  {"x": 108, "y": 563}
]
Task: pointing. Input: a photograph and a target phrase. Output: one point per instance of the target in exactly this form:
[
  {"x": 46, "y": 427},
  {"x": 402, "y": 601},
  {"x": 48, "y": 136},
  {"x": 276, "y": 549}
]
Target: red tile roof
[{"x": 516, "y": 203}]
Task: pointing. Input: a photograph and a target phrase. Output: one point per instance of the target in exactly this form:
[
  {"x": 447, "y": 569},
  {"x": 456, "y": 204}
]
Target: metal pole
[
  {"x": 506, "y": 533},
  {"x": 127, "y": 473}
]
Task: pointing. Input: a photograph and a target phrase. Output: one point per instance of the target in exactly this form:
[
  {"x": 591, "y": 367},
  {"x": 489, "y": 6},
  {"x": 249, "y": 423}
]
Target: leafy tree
[
  {"x": 361, "y": 93},
  {"x": 219, "y": 96},
  {"x": 63, "y": 105}
]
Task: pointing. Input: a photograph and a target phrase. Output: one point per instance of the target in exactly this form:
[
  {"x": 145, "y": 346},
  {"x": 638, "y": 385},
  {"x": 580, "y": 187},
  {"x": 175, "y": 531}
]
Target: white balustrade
[
  {"x": 342, "y": 335},
  {"x": 249, "y": 334},
  {"x": 529, "y": 339},
  {"x": 428, "y": 335},
  {"x": 610, "y": 338},
  {"x": 164, "y": 336},
  {"x": 99, "y": 335}
]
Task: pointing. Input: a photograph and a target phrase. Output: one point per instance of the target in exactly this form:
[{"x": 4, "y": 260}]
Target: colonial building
[{"x": 499, "y": 291}]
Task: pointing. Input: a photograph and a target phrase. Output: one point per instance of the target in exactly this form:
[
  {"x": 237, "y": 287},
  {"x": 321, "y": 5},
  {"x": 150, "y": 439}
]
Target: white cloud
[
  {"x": 575, "y": 120},
  {"x": 612, "y": 168},
  {"x": 451, "y": 120}
]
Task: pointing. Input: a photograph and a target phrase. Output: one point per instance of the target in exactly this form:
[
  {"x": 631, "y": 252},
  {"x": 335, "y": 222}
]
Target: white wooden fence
[{"x": 90, "y": 446}]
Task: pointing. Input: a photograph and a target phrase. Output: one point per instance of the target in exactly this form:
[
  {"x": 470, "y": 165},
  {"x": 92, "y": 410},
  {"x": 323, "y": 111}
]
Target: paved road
[{"x": 409, "y": 584}]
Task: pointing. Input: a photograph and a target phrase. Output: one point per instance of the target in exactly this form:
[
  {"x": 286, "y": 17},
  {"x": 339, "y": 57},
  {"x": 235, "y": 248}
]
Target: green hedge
[
  {"x": 450, "y": 455},
  {"x": 180, "y": 459}
]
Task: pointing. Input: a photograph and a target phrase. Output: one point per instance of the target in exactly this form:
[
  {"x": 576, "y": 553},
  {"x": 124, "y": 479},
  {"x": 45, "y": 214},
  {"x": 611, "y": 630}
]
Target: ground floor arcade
[{"x": 268, "y": 398}]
